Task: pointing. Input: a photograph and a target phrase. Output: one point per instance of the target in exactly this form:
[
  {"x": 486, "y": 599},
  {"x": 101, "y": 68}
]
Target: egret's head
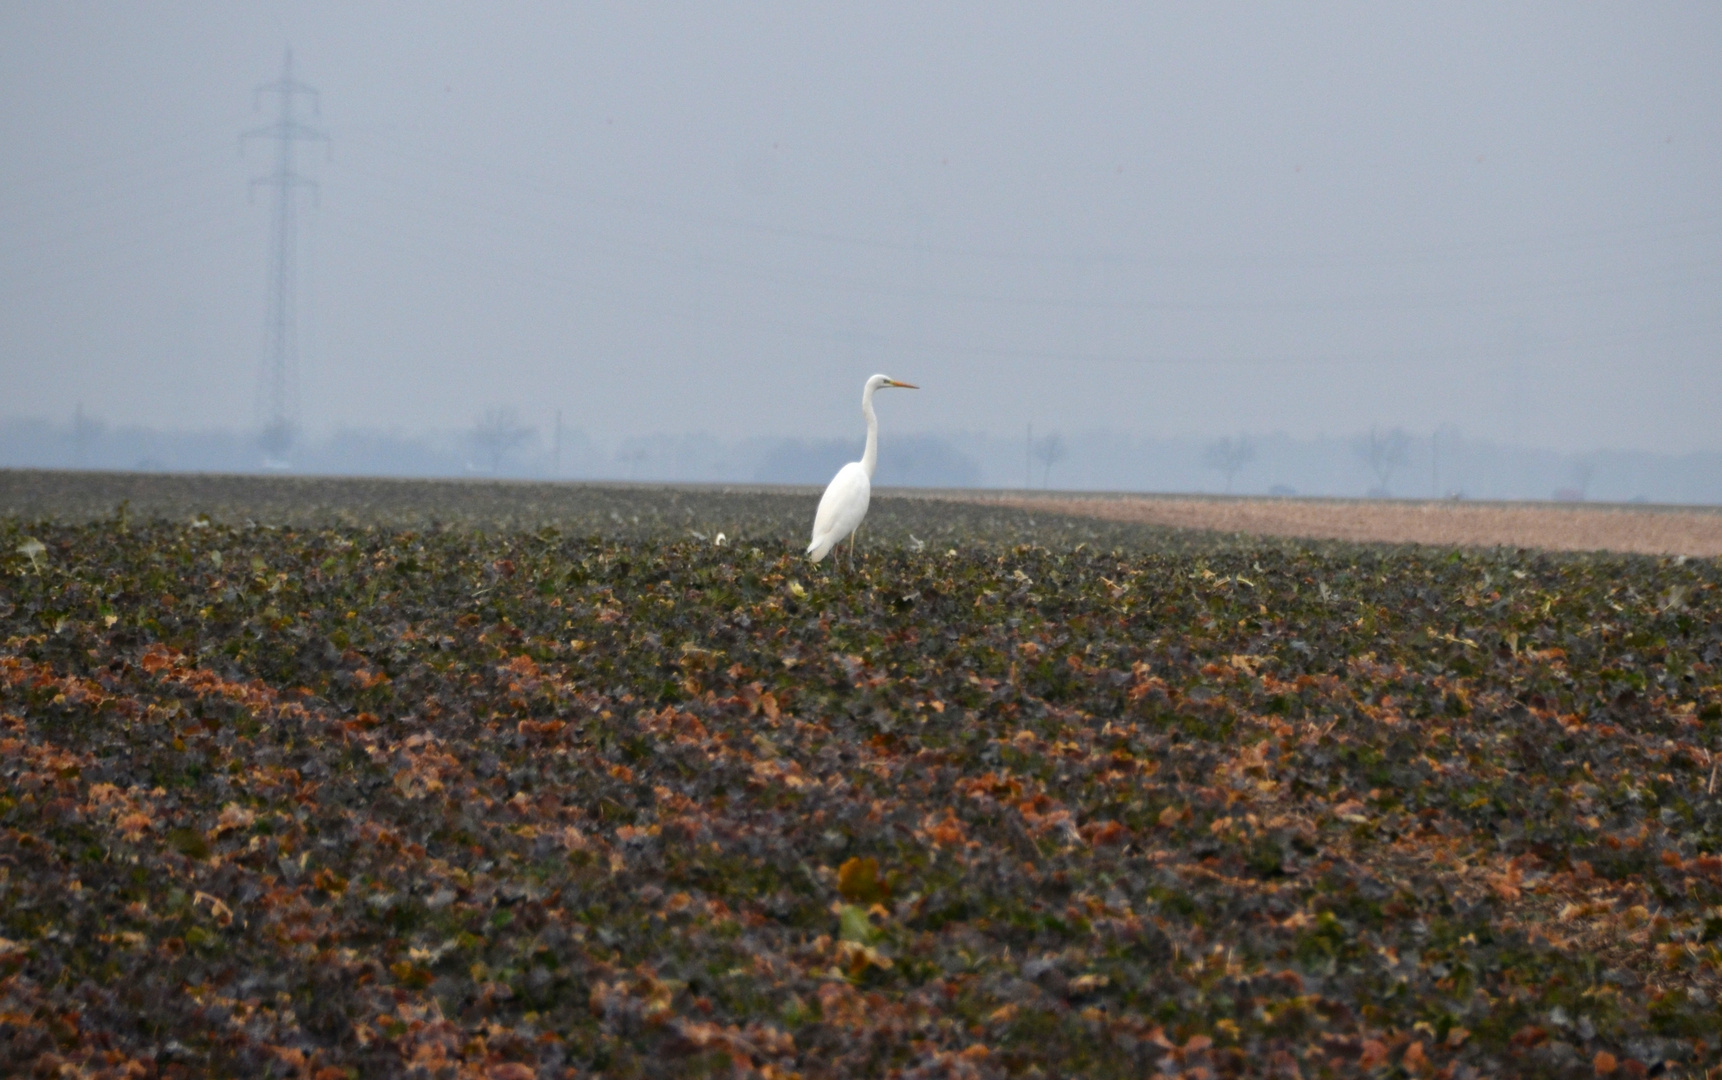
[{"x": 878, "y": 381}]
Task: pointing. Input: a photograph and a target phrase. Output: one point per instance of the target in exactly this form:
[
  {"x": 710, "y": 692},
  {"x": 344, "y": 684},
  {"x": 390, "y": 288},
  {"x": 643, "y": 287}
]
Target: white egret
[{"x": 844, "y": 503}]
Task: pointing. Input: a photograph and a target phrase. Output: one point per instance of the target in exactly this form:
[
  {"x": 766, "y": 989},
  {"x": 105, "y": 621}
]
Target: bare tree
[
  {"x": 1050, "y": 450},
  {"x": 85, "y": 433},
  {"x": 498, "y": 433},
  {"x": 1228, "y": 455},
  {"x": 1383, "y": 452},
  {"x": 1584, "y": 471}
]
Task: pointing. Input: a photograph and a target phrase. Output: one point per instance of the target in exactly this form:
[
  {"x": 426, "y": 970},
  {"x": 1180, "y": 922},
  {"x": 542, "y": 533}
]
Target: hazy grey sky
[{"x": 1154, "y": 218}]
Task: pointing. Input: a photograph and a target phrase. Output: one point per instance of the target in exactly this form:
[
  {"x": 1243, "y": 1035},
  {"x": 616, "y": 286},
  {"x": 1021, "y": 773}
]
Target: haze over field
[{"x": 1134, "y": 228}]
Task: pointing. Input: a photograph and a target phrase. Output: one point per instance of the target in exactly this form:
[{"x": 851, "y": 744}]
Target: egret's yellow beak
[{"x": 904, "y": 385}]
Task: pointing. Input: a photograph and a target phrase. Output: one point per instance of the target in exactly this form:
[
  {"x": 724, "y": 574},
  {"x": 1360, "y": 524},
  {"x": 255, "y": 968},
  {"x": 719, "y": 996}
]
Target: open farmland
[
  {"x": 519, "y": 780},
  {"x": 1646, "y": 530}
]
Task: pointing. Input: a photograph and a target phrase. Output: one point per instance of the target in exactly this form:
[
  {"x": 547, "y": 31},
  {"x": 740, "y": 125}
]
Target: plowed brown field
[{"x": 1690, "y": 531}]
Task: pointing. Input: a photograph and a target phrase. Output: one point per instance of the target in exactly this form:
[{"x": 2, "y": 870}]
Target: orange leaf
[
  {"x": 858, "y": 881},
  {"x": 1413, "y": 1059},
  {"x": 156, "y": 658}
]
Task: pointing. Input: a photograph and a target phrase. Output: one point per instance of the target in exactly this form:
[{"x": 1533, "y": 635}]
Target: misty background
[{"x": 1340, "y": 249}]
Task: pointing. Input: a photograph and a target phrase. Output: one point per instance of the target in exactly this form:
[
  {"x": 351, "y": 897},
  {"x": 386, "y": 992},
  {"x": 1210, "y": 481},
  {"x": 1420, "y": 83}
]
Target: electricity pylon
[{"x": 277, "y": 408}]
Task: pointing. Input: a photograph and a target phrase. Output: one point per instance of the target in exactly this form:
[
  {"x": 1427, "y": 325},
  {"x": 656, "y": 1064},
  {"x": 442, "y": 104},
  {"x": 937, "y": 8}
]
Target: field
[
  {"x": 1646, "y": 530},
  {"x": 366, "y": 779}
]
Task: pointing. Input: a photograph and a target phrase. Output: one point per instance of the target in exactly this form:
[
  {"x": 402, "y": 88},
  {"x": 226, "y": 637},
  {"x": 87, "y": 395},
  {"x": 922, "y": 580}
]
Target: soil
[
  {"x": 1691, "y": 531},
  {"x": 897, "y": 516},
  {"x": 741, "y": 513}
]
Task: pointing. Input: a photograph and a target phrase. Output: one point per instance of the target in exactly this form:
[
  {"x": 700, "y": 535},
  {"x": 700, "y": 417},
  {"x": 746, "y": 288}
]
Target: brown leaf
[
  {"x": 156, "y": 658},
  {"x": 1413, "y": 1059},
  {"x": 858, "y": 881}
]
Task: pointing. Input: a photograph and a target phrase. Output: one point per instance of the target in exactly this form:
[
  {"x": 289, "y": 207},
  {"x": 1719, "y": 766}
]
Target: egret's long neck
[{"x": 870, "y": 456}]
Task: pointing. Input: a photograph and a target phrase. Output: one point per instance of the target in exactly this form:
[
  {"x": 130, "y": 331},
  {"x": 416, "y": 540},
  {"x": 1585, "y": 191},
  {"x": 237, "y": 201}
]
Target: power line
[
  {"x": 1563, "y": 241},
  {"x": 98, "y": 170},
  {"x": 496, "y": 211},
  {"x": 443, "y": 253},
  {"x": 277, "y": 407}
]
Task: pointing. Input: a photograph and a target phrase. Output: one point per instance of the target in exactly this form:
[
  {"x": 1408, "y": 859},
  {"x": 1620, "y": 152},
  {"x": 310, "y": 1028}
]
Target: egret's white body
[{"x": 844, "y": 503}]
